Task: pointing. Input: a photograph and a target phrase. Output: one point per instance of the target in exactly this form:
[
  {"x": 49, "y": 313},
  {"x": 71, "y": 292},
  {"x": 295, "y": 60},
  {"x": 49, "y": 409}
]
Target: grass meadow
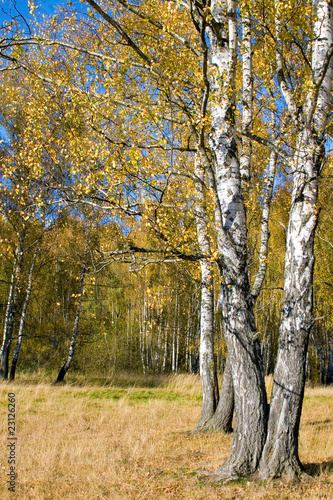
[{"x": 128, "y": 438}]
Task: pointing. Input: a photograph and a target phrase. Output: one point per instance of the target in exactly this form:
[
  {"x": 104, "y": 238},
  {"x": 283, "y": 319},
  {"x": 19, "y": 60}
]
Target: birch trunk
[
  {"x": 11, "y": 308},
  {"x": 245, "y": 157},
  {"x": 165, "y": 351},
  {"x": 280, "y": 454},
  {"x": 68, "y": 362},
  {"x": 281, "y": 449},
  {"x": 263, "y": 251},
  {"x": 23, "y": 317},
  {"x": 222, "y": 418},
  {"x": 320, "y": 358},
  {"x": 173, "y": 363},
  {"x": 208, "y": 373},
  {"x": 237, "y": 303}
]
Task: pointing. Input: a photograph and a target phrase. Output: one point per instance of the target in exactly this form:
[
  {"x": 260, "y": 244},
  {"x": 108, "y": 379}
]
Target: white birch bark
[
  {"x": 245, "y": 157},
  {"x": 263, "y": 251},
  {"x": 11, "y": 307},
  {"x": 237, "y": 304},
  {"x": 165, "y": 350},
  {"x": 23, "y": 316},
  {"x": 280, "y": 454},
  {"x": 75, "y": 332},
  {"x": 206, "y": 352},
  {"x": 329, "y": 367}
]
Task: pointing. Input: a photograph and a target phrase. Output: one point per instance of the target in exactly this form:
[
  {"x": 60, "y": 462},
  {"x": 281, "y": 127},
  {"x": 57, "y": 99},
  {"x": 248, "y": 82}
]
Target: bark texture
[
  {"x": 281, "y": 449},
  {"x": 11, "y": 307},
  {"x": 263, "y": 252},
  {"x": 236, "y": 299},
  {"x": 208, "y": 373},
  {"x": 222, "y": 419},
  {"x": 245, "y": 157},
  {"x": 280, "y": 454},
  {"x": 64, "y": 369},
  {"x": 23, "y": 317}
]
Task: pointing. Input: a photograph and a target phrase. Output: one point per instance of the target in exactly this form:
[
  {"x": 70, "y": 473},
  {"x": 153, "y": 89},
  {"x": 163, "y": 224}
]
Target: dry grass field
[{"x": 128, "y": 439}]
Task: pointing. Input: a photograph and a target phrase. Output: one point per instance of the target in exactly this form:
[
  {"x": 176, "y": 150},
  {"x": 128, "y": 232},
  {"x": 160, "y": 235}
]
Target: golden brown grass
[{"x": 118, "y": 443}]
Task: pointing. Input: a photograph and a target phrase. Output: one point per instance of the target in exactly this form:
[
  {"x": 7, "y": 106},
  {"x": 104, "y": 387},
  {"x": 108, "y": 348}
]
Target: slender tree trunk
[
  {"x": 263, "y": 251},
  {"x": 173, "y": 367},
  {"x": 207, "y": 362},
  {"x": 247, "y": 105},
  {"x": 11, "y": 308},
  {"x": 208, "y": 372},
  {"x": 23, "y": 317},
  {"x": 68, "y": 362},
  {"x": 188, "y": 338},
  {"x": 178, "y": 348},
  {"x": 280, "y": 455},
  {"x": 165, "y": 350}
]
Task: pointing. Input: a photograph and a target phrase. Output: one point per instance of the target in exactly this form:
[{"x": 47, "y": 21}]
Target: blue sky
[{"x": 44, "y": 7}]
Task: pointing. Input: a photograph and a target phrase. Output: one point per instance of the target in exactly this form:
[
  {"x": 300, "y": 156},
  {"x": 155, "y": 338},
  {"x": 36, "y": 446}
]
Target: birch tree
[
  {"x": 11, "y": 308},
  {"x": 280, "y": 455},
  {"x": 237, "y": 304},
  {"x": 64, "y": 369},
  {"x": 208, "y": 372},
  {"x": 23, "y": 315}
]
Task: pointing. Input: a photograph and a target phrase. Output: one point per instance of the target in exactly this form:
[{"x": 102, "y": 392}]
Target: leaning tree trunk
[
  {"x": 68, "y": 362},
  {"x": 280, "y": 455},
  {"x": 11, "y": 308},
  {"x": 23, "y": 317}
]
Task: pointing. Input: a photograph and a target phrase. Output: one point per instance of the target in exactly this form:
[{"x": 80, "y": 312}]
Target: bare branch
[
  {"x": 124, "y": 35},
  {"x": 265, "y": 142}
]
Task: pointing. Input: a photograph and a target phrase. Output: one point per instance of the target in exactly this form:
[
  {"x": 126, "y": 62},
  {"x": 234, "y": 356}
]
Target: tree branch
[{"x": 158, "y": 24}]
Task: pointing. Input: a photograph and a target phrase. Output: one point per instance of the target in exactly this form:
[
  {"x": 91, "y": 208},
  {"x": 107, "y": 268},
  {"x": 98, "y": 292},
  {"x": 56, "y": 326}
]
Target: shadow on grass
[
  {"x": 321, "y": 423},
  {"x": 318, "y": 469},
  {"x": 125, "y": 380}
]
